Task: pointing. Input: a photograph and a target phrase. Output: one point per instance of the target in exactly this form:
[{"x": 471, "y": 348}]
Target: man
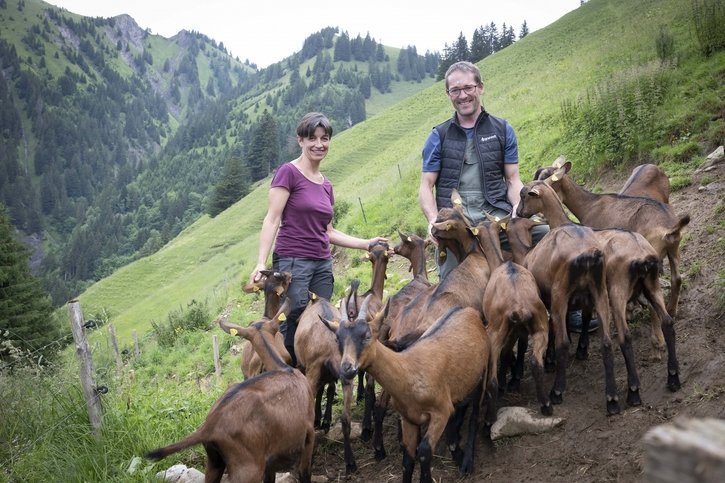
[{"x": 475, "y": 153}]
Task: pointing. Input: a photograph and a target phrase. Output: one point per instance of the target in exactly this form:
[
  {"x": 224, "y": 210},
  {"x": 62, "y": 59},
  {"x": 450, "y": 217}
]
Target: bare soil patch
[{"x": 591, "y": 446}]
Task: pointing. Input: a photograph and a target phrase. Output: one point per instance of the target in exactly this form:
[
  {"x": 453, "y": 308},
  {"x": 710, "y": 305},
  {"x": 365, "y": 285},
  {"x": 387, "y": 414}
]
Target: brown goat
[
  {"x": 648, "y": 181},
  {"x": 447, "y": 364},
  {"x": 318, "y": 358},
  {"x": 569, "y": 266},
  {"x": 274, "y": 284},
  {"x": 513, "y": 310},
  {"x": 411, "y": 247},
  {"x": 656, "y": 221},
  {"x": 260, "y": 426},
  {"x": 463, "y": 287}
]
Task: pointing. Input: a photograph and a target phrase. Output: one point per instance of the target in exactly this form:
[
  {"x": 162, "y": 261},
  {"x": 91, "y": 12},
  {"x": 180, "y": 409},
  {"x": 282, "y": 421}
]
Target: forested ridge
[{"x": 114, "y": 139}]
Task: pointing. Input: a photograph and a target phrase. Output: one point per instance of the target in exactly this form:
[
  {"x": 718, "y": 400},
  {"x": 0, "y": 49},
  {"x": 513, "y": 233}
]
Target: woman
[{"x": 299, "y": 215}]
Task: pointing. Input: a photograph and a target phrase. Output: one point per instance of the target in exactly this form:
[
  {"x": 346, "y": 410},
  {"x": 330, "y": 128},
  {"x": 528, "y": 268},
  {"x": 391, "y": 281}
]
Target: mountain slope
[{"x": 375, "y": 165}]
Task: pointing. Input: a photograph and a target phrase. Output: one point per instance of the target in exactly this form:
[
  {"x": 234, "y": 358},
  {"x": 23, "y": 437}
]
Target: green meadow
[{"x": 559, "y": 88}]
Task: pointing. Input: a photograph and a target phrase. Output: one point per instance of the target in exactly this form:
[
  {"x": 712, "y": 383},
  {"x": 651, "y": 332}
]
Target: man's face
[{"x": 464, "y": 93}]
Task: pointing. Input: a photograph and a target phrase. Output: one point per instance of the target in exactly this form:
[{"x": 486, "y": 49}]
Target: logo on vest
[{"x": 488, "y": 138}]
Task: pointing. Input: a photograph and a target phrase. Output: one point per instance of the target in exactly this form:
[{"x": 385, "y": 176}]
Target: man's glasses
[{"x": 456, "y": 91}]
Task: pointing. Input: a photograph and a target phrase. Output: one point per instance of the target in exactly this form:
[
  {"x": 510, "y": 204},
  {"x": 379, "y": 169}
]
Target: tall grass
[
  {"x": 709, "y": 19},
  {"x": 615, "y": 119}
]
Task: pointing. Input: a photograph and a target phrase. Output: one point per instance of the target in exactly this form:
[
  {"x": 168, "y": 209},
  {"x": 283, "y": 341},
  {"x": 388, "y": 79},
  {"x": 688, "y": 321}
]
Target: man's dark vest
[{"x": 490, "y": 141}]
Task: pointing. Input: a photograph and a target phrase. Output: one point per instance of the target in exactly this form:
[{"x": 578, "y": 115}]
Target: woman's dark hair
[{"x": 310, "y": 122}]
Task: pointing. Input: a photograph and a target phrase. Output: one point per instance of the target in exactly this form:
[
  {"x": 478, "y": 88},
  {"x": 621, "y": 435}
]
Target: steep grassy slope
[{"x": 374, "y": 166}]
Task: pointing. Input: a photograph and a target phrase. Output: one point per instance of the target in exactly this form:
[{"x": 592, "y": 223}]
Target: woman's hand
[
  {"x": 256, "y": 273},
  {"x": 376, "y": 240}
]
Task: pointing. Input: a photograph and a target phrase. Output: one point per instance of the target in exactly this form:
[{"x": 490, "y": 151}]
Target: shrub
[
  {"x": 665, "y": 45},
  {"x": 196, "y": 317},
  {"x": 709, "y": 18}
]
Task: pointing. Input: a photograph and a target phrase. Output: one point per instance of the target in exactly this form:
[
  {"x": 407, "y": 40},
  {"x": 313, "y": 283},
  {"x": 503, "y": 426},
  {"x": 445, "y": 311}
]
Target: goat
[
  {"x": 274, "y": 284},
  {"x": 411, "y": 247},
  {"x": 260, "y": 426},
  {"x": 656, "y": 221},
  {"x": 445, "y": 365},
  {"x": 318, "y": 358},
  {"x": 648, "y": 181},
  {"x": 378, "y": 254},
  {"x": 463, "y": 287},
  {"x": 569, "y": 266},
  {"x": 512, "y": 309}
]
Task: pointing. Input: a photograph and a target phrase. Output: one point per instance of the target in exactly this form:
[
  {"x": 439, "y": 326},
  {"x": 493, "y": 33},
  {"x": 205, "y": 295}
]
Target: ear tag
[
  {"x": 497, "y": 219},
  {"x": 474, "y": 231},
  {"x": 233, "y": 331},
  {"x": 457, "y": 201},
  {"x": 279, "y": 291},
  {"x": 313, "y": 296},
  {"x": 282, "y": 317},
  {"x": 443, "y": 254},
  {"x": 255, "y": 289},
  {"x": 503, "y": 226},
  {"x": 410, "y": 239},
  {"x": 367, "y": 256},
  {"x": 554, "y": 177}
]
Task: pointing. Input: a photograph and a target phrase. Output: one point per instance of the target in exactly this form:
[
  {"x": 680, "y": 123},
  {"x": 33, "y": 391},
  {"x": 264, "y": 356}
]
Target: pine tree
[
  {"x": 231, "y": 187},
  {"x": 26, "y": 321},
  {"x": 524, "y": 30},
  {"x": 264, "y": 148}
]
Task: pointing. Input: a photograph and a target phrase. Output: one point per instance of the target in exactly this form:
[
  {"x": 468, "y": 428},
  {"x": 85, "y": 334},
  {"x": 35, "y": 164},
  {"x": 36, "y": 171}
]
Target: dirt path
[{"x": 591, "y": 446}]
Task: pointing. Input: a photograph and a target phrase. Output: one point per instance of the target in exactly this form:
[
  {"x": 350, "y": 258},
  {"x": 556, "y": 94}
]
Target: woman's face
[{"x": 315, "y": 146}]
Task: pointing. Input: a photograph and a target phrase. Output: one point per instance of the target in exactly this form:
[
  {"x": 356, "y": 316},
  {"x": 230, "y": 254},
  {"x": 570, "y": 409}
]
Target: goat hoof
[
  {"x": 366, "y": 435},
  {"x": 556, "y": 398},
  {"x": 547, "y": 410},
  {"x": 673, "y": 382},
  {"x": 380, "y": 454},
  {"x": 633, "y": 398},
  {"x": 612, "y": 407},
  {"x": 350, "y": 468},
  {"x": 466, "y": 466}
]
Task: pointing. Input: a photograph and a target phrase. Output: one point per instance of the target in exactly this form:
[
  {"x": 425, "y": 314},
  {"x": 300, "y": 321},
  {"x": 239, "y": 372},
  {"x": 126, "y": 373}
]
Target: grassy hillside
[
  {"x": 376, "y": 163},
  {"x": 162, "y": 395}
]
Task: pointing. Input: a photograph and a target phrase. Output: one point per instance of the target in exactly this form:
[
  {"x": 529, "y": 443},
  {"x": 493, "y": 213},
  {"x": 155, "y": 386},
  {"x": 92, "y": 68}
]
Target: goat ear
[
  {"x": 559, "y": 162},
  {"x": 330, "y": 324},
  {"x": 456, "y": 197},
  {"x": 253, "y": 287},
  {"x": 232, "y": 329}
]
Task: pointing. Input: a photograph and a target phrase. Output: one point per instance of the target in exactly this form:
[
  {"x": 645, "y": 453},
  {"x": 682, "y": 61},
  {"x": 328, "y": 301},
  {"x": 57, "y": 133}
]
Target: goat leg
[
  {"x": 347, "y": 395},
  {"x": 381, "y": 406},
  {"x": 367, "y": 423}
]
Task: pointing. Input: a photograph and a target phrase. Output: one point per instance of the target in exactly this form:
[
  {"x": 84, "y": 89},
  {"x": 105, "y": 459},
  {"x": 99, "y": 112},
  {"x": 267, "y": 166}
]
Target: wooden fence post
[
  {"x": 114, "y": 344},
  {"x": 217, "y": 364},
  {"x": 136, "y": 347},
  {"x": 93, "y": 401},
  {"x": 365, "y": 218}
]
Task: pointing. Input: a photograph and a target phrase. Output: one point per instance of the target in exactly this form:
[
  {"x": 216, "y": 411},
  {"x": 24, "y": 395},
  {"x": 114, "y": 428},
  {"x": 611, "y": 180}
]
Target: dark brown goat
[
  {"x": 260, "y": 426},
  {"x": 656, "y": 221},
  {"x": 569, "y": 266},
  {"x": 274, "y": 284},
  {"x": 447, "y": 364}
]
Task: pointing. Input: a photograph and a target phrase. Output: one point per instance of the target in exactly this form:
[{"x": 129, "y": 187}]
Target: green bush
[
  {"x": 196, "y": 317},
  {"x": 665, "y": 45},
  {"x": 709, "y": 19}
]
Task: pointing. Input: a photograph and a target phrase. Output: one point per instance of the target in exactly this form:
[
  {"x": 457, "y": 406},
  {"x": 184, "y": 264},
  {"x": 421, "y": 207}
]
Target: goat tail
[
  {"x": 649, "y": 267},
  {"x": 193, "y": 439},
  {"x": 672, "y": 235},
  {"x": 588, "y": 263}
]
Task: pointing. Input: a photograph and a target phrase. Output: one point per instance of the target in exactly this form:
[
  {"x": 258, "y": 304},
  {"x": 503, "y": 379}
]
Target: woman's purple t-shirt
[{"x": 303, "y": 230}]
